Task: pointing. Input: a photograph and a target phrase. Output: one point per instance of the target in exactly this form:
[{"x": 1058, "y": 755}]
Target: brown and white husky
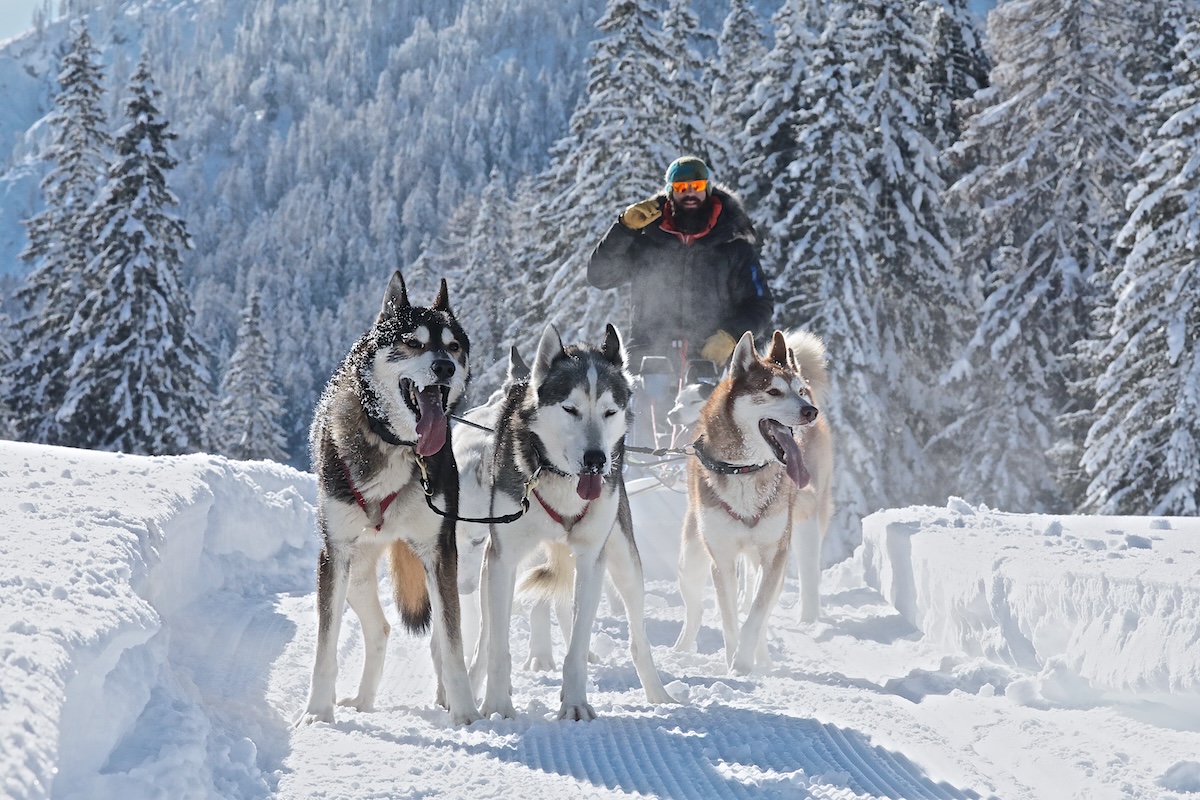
[{"x": 760, "y": 485}]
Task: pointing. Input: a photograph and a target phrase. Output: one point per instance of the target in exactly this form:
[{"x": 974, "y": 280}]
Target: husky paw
[
  {"x": 357, "y": 703},
  {"x": 741, "y": 666},
  {"x": 314, "y": 715},
  {"x": 503, "y": 708},
  {"x": 540, "y": 664},
  {"x": 593, "y": 658},
  {"x": 465, "y": 716},
  {"x": 685, "y": 645},
  {"x": 810, "y": 614},
  {"x": 577, "y": 712},
  {"x": 661, "y": 697}
]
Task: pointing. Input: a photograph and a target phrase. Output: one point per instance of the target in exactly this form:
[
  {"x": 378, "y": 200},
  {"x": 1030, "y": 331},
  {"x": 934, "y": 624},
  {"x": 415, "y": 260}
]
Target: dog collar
[
  {"x": 557, "y": 517},
  {"x": 723, "y": 467},
  {"x": 381, "y": 429},
  {"x": 543, "y": 463}
]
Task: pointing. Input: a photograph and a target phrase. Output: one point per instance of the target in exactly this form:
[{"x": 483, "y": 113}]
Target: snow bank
[
  {"x": 1106, "y": 601},
  {"x": 109, "y": 556}
]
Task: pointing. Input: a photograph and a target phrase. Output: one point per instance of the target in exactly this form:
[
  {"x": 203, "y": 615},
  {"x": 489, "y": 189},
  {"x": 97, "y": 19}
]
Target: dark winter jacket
[{"x": 686, "y": 287}]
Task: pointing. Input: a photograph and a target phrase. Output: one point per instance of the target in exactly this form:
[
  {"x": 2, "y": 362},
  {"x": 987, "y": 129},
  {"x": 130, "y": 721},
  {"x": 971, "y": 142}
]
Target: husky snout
[
  {"x": 443, "y": 369},
  {"x": 808, "y": 414},
  {"x": 594, "y": 462}
]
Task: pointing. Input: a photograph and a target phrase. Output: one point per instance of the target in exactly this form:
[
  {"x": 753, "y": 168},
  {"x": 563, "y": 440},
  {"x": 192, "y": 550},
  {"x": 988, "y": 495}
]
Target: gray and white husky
[
  {"x": 559, "y": 447},
  {"x": 379, "y": 437}
]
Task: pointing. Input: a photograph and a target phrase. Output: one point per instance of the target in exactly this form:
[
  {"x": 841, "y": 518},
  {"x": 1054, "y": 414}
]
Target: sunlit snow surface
[{"x": 158, "y": 631}]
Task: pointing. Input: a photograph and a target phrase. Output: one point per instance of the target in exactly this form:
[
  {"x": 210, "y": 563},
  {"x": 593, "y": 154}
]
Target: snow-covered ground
[{"x": 158, "y": 628}]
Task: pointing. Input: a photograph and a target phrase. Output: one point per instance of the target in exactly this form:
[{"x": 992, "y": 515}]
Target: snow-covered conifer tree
[
  {"x": 770, "y": 108},
  {"x": 60, "y": 244},
  {"x": 954, "y": 70},
  {"x": 685, "y": 103},
  {"x": 829, "y": 280},
  {"x": 246, "y": 420},
  {"x": 740, "y": 51},
  {"x": 1143, "y": 452},
  {"x": 1047, "y": 148},
  {"x": 615, "y": 153},
  {"x": 138, "y": 381},
  {"x": 922, "y": 307}
]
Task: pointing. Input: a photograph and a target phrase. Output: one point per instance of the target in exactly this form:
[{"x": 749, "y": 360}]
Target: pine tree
[
  {"x": 246, "y": 421},
  {"x": 60, "y": 245},
  {"x": 740, "y": 51},
  {"x": 769, "y": 147},
  {"x": 138, "y": 381},
  {"x": 615, "y": 152},
  {"x": 1143, "y": 452},
  {"x": 1048, "y": 145},
  {"x": 956, "y": 68},
  {"x": 476, "y": 258},
  {"x": 922, "y": 307},
  {"x": 829, "y": 280},
  {"x": 685, "y": 103}
]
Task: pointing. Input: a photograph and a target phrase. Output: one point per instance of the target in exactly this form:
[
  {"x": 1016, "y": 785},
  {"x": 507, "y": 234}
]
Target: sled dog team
[{"x": 546, "y": 489}]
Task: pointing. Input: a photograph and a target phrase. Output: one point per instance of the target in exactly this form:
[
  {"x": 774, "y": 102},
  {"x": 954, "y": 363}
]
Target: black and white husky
[
  {"x": 379, "y": 440},
  {"x": 559, "y": 448}
]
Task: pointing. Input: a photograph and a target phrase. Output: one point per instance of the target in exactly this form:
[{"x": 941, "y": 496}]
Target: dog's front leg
[
  {"x": 363, "y": 594},
  {"x": 447, "y": 637},
  {"x": 499, "y": 583},
  {"x": 751, "y": 636},
  {"x": 625, "y": 569},
  {"x": 589, "y": 583},
  {"x": 333, "y": 570},
  {"x": 693, "y": 559}
]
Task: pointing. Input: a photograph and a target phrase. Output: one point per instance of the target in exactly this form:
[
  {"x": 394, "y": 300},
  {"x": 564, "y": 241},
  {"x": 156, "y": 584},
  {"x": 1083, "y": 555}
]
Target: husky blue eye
[
  {"x": 609, "y": 413},
  {"x": 572, "y": 410}
]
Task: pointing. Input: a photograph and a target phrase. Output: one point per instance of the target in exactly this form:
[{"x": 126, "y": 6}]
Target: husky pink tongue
[
  {"x": 589, "y": 486},
  {"x": 431, "y": 427},
  {"x": 793, "y": 461}
]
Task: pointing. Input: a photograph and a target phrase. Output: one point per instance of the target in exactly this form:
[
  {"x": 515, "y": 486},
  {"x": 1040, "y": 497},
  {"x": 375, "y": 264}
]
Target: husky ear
[
  {"x": 549, "y": 348},
  {"x": 613, "y": 349},
  {"x": 517, "y": 368},
  {"x": 743, "y": 355},
  {"x": 396, "y": 296},
  {"x": 779, "y": 350},
  {"x": 442, "y": 303}
]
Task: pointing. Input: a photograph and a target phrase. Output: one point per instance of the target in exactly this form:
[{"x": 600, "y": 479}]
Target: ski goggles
[{"x": 689, "y": 186}]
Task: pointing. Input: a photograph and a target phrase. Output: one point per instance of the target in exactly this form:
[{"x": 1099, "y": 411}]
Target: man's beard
[{"x": 691, "y": 220}]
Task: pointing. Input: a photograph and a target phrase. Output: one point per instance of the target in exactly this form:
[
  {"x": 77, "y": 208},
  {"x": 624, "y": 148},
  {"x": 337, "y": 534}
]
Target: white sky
[
  {"x": 158, "y": 632},
  {"x": 16, "y": 16}
]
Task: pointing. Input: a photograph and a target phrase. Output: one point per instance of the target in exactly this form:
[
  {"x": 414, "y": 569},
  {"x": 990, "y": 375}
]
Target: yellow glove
[
  {"x": 639, "y": 215},
  {"x": 718, "y": 347}
]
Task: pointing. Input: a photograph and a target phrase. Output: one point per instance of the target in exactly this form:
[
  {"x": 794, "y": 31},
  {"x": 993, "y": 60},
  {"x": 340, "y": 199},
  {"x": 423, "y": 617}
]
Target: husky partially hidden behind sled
[
  {"x": 559, "y": 450},
  {"x": 380, "y": 441},
  {"x": 760, "y": 484}
]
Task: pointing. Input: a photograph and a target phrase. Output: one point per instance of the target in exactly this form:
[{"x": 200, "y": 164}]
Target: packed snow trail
[{"x": 160, "y": 629}]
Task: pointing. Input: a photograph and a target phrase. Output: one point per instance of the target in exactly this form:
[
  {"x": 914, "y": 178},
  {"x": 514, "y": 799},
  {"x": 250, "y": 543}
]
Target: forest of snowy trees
[{"x": 995, "y": 236}]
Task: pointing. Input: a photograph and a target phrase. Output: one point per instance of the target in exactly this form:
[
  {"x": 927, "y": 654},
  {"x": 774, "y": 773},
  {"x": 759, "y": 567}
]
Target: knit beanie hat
[{"x": 687, "y": 168}]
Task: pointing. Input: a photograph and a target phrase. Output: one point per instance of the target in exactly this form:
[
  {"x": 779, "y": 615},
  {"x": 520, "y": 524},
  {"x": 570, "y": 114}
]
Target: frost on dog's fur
[{"x": 382, "y": 416}]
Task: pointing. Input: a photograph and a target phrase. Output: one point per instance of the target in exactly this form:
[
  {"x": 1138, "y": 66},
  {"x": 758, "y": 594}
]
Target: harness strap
[{"x": 358, "y": 497}]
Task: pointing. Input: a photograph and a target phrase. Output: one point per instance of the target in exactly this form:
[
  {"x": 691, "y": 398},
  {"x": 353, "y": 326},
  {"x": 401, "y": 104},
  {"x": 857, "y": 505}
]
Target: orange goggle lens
[{"x": 689, "y": 186}]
